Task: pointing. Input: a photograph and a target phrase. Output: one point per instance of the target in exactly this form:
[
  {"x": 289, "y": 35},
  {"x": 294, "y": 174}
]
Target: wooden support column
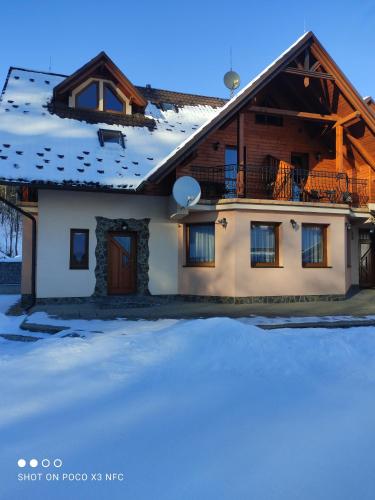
[
  {"x": 241, "y": 156},
  {"x": 339, "y": 148}
]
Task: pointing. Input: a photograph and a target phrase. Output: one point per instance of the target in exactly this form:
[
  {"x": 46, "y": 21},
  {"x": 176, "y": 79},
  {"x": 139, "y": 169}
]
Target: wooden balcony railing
[{"x": 280, "y": 182}]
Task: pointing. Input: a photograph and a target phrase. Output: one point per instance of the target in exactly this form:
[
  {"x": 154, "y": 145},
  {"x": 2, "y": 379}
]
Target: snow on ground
[{"x": 190, "y": 410}]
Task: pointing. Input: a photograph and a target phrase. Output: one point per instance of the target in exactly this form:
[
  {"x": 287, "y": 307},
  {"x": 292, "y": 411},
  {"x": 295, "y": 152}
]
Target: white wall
[{"x": 59, "y": 211}]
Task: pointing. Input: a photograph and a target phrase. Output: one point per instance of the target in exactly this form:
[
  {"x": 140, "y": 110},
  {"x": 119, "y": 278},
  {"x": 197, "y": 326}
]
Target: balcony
[{"x": 280, "y": 181}]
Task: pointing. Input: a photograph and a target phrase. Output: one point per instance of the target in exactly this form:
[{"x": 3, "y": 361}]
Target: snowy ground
[{"x": 190, "y": 410}]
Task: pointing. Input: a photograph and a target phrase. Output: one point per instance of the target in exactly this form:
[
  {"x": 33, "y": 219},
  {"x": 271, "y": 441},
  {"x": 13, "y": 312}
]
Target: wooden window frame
[
  {"x": 84, "y": 264},
  {"x": 276, "y": 226},
  {"x": 317, "y": 265},
  {"x": 106, "y": 84},
  {"x": 76, "y": 97},
  {"x": 187, "y": 245}
]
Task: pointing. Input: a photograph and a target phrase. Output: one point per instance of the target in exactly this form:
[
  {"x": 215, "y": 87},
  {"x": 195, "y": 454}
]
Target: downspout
[{"x": 33, "y": 249}]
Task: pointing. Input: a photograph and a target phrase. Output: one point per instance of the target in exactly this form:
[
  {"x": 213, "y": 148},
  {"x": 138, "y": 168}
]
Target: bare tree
[{"x": 10, "y": 224}]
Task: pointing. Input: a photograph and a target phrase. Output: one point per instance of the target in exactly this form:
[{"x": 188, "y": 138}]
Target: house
[{"x": 286, "y": 169}]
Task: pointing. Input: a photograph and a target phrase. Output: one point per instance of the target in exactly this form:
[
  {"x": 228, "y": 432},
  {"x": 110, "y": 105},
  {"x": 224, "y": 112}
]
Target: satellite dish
[
  {"x": 232, "y": 80},
  {"x": 186, "y": 191}
]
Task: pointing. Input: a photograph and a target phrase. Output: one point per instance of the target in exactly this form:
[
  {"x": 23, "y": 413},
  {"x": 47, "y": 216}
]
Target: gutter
[{"x": 33, "y": 249}]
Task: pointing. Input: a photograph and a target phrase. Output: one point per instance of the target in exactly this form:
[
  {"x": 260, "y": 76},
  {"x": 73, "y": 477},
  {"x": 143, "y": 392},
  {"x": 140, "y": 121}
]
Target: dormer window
[
  {"x": 100, "y": 95},
  {"x": 99, "y": 86},
  {"x": 88, "y": 97},
  {"x": 111, "y": 101}
]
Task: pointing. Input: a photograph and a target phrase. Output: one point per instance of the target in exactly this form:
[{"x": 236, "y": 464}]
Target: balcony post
[
  {"x": 241, "y": 155},
  {"x": 339, "y": 148}
]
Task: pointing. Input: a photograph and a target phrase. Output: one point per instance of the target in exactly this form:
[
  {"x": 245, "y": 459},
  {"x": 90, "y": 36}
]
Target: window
[
  {"x": 274, "y": 120},
  {"x": 79, "y": 249},
  {"x": 200, "y": 244},
  {"x": 265, "y": 244},
  {"x": 314, "y": 245},
  {"x": 230, "y": 162},
  {"x": 111, "y": 136},
  {"x": 100, "y": 95},
  {"x": 88, "y": 97},
  {"x": 230, "y": 155},
  {"x": 111, "y": 101}
]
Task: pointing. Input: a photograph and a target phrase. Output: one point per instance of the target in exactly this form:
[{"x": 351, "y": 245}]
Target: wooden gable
[{"x": 304, "y": 86}]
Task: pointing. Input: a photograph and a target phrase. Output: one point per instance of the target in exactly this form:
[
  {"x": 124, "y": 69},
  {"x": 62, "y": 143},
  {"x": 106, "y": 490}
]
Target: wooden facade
[{"x": 313, "y": 111}]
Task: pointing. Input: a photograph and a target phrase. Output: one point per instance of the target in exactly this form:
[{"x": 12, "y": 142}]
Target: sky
[{"x": 185, "y": 45}]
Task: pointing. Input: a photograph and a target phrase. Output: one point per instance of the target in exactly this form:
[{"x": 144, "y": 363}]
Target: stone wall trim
[{"x": 138, "y": 226}]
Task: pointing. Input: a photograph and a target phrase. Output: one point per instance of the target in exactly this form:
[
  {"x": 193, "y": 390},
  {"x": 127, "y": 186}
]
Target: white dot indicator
[
  {"x": 21, "y": 463},
  {"x": 46, "y": 463},
  {"x": 57, "y": 462},
  {"x": 33, "y": 462}
]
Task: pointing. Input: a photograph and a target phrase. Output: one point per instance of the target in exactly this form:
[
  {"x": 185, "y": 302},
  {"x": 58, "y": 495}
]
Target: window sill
[
  {"x": 199, "y": 265},
  {"x": 264, "y": 266},
  {"x": 317, "y": 267}
]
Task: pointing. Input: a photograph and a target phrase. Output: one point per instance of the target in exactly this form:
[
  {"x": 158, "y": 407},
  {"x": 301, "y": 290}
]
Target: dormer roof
[{"x": 101, "y": 66}]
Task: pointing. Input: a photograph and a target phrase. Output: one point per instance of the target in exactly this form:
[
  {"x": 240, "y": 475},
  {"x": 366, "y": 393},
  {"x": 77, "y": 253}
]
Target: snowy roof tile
[{"x": 38, "y": 146}]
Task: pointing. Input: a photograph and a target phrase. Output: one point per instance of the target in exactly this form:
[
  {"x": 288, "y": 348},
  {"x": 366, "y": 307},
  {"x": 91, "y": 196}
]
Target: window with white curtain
[
  {"x": 200, "y": 248},
  {"x": 264, "y": 244},
  {"x": 314, "y": 243}
]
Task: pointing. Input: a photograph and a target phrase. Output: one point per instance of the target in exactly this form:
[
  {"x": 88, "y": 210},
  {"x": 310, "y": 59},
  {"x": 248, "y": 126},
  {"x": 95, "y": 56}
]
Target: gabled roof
[
  {"x": 102, "y": 60},
  {"x": 37, "y": 146},
  {"x": 229, "y": 110}
]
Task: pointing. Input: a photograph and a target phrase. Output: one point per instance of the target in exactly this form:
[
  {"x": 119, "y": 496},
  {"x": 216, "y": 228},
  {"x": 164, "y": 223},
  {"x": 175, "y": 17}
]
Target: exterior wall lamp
[
  {"x": 348, "y": 226},
  {"x": 223, "y": 222},
  {"x": 294, "y": 223}
]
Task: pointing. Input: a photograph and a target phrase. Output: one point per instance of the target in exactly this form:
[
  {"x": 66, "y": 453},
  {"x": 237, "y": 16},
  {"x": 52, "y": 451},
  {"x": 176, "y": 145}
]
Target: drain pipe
[{"x": 33, "y": 248}]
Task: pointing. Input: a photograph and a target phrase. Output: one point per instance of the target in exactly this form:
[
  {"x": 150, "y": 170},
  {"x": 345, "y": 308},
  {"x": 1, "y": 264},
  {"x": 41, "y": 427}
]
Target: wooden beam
[
  {"x": 361, "y": 150},
  {"x": 348, "y": 118},
  {"x": 295, "y": 114},
  {"x": 339, "y": 148},
  {"x": 315, "y": 66},
  {"x": 308, "y": 73},
  {"x": 345, "y": 86},
  {"x": 307, "y": 60}
]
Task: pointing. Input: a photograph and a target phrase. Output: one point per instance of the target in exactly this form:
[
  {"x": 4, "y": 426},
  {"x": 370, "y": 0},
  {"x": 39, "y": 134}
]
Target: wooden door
[
  {"x": 122, "y": 263},
  {"x": 366, "y": 259}
]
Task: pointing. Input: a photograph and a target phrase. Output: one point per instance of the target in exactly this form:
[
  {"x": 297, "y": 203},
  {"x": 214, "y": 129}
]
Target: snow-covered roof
[{"x": 42, "y": 147}]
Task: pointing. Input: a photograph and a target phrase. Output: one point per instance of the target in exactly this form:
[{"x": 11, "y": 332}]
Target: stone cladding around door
[{"x": 138, "y": 226}]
